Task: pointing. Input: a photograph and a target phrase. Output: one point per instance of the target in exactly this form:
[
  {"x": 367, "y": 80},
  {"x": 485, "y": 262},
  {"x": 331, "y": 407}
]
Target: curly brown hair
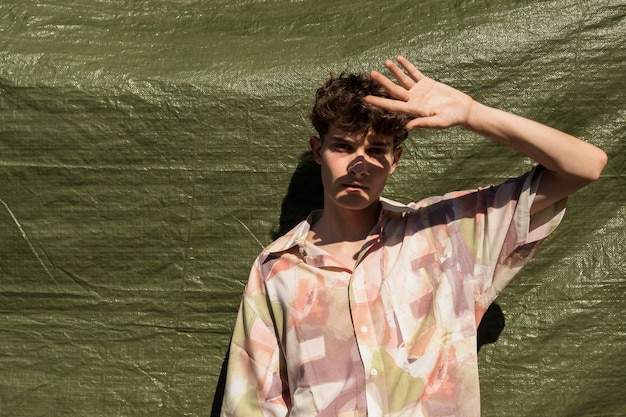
[{"x": 339, "y": 102}]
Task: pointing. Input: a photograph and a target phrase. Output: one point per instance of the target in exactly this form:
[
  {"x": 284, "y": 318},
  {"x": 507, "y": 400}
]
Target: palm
[{"x": 433, "y": 104}]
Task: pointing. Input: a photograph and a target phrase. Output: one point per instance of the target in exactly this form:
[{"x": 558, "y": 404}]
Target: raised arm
[{"x": 570, "y": 163}]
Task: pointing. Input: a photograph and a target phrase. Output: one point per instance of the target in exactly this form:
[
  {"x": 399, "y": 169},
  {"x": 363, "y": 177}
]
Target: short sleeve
[{"x": 501, "y": 235}]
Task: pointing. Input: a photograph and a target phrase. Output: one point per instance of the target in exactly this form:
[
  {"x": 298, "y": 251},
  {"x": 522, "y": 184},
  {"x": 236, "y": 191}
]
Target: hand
[
  {"x": 569, "y": 162},
  {"x": 433, "y": 104}
]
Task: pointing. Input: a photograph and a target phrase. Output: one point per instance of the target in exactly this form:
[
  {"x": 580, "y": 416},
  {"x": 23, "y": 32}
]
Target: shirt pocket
[
  {"x": 409, "y": 298},
  {"x": 431, "y": 304}
]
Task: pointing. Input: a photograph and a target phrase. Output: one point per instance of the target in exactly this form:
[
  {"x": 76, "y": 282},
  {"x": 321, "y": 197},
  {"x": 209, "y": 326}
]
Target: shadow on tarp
[{"x": 305, "y": 194}]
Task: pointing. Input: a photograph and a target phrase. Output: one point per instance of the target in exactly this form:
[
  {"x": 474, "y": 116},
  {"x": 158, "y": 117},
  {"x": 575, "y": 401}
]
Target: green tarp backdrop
[{"x": 146, "y": 147}]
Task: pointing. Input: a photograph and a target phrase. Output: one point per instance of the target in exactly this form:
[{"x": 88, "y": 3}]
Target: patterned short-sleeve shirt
[{"x": 395, "y": 333}]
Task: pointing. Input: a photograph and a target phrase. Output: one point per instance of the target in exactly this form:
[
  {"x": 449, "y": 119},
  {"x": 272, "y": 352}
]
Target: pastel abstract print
[{"x": 395, "y": 333}]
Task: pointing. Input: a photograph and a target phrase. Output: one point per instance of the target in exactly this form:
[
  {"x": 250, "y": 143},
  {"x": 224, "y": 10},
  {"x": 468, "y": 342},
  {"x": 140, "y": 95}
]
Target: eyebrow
[
  {"x": 380, "y": 143},
  {"x": 341, "y": 139}
]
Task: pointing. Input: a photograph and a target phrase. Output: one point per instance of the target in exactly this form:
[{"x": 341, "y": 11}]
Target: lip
[{"x": 354, "y": 186}]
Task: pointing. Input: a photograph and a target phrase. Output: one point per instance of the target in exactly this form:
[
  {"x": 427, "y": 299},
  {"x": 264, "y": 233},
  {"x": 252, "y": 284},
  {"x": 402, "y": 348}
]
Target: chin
[{"x": 354, "y": 202}]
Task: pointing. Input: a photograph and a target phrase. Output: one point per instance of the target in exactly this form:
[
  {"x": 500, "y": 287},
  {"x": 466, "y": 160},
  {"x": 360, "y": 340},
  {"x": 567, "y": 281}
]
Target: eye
[
  {"x": 342, "y": 146},
  {"x": 377, "y": 151}
]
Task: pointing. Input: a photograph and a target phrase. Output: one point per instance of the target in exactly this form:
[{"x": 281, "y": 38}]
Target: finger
[
  {"x": 392, "y": 88},
  {"x": 432, "y": 122},
  {"x": 402, "y": 78},
  {"x": 391, "y": 105},
  {"x": 416, "y": 74}
]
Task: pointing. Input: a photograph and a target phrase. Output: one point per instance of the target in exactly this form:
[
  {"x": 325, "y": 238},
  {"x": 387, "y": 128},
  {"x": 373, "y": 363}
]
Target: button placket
[{"x": 364, "y": 328}]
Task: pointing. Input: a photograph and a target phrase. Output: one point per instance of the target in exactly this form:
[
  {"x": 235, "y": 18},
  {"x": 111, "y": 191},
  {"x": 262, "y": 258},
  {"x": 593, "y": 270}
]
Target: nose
[{"x": 358, "y": 168}]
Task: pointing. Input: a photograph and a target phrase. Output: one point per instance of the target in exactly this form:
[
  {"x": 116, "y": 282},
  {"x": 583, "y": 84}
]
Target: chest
[
  {"x": 398, "y": 283},
  {"x": 346, "y": 253}
]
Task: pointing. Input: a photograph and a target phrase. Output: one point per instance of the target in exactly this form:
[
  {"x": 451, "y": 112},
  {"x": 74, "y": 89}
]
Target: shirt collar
[
  {"x": 394, "y": 206},
  {"x": 298, "y": 235}
]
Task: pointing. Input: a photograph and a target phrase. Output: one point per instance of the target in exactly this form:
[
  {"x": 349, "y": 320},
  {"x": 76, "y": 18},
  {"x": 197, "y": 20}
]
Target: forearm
[
  {"x": 562, "y": 154},
  {"x": 569, "y": 163}
]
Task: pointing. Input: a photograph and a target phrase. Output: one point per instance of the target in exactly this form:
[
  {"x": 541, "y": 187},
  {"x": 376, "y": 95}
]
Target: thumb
[{"x": 432, "y": 122}]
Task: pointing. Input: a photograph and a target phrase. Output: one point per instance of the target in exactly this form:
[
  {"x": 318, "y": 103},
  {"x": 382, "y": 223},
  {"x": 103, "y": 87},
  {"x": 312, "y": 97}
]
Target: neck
[{"x": 342, "y": 225}]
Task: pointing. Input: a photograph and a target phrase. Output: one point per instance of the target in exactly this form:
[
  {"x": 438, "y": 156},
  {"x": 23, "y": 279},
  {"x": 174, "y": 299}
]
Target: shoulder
[
  {"x": 465, "y": 203},
  {"x": 283, "y": 247},
  {"x": 294, "y": 237}
]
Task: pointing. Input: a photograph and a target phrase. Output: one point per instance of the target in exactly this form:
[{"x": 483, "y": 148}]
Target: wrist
[{"x": 475, "y": 116}]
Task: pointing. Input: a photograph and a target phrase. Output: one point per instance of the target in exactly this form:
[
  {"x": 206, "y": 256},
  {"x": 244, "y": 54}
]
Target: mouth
[{"x": 354, "y": 186}]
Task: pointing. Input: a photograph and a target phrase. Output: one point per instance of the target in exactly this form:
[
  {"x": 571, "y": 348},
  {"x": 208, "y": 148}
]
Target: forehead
[{"x": 370, "y": 137}]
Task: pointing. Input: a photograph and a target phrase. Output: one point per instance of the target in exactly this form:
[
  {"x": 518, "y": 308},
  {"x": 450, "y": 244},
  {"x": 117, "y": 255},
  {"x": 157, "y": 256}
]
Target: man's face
[{"x": 355, "y": 168}]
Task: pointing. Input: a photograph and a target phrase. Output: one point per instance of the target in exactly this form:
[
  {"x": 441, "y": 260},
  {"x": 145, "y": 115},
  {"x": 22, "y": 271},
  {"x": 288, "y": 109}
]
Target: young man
[{"x": 370, "y": 307}]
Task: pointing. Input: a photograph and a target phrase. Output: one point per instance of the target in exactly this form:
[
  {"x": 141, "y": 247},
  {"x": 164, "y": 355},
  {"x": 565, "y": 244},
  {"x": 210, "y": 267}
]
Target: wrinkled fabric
[
  {"x": 145, "y": 148},
  {"x": 394, "y": 334}
]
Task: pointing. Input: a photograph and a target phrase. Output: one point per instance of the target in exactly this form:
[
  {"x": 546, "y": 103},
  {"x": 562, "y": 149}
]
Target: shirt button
[
  {"x": 374, "y": 372},
  {"x": 364, "y": 329}
]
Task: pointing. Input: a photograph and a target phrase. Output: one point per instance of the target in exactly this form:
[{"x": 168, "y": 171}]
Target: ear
[
  {"x": 397, "y": 153},
  {"x": 316, "y": 146}
]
